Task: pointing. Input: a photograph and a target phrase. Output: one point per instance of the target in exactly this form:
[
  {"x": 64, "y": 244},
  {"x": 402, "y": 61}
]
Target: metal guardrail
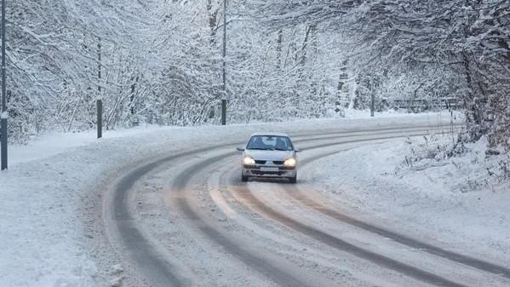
[{"x": 417, "y": 105}]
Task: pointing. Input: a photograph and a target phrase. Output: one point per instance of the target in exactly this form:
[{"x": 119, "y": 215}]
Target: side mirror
[
  {"x": 240, "y": 149},
  {"x": 298, "y": 150}
]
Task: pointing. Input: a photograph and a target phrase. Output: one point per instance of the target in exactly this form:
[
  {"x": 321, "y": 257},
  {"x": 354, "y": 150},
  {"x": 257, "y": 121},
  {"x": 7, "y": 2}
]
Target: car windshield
[{"x": 270, "y": 143}]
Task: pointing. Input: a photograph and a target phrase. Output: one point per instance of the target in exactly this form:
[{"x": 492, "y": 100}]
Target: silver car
[{"x": 269, "y": 155}]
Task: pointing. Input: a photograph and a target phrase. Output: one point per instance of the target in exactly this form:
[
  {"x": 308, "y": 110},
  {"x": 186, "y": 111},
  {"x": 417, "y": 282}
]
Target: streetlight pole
[
  {"x": 224, "y": 97},
  {"x": 4, "y": 114}
]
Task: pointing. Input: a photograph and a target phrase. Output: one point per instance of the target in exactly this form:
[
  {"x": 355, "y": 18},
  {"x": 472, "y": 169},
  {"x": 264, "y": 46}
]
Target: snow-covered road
[
  {"x": 188, "y": 220},
  {"x": 168, "y": 208}
]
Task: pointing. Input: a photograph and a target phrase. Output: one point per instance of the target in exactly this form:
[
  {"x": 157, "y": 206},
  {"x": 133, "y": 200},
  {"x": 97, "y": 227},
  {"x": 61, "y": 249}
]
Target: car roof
[{"x": 274, "y": 134}]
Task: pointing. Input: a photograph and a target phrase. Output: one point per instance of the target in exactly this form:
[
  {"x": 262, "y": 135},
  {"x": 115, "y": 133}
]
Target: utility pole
[
  {"x": 5, "y": 115},
  {"x": 224, "y": 97}
]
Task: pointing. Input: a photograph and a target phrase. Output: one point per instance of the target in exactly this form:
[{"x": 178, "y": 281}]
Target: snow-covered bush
[
  {"x": 428, "y": 150},
  {"x": 445, "y": 157}
]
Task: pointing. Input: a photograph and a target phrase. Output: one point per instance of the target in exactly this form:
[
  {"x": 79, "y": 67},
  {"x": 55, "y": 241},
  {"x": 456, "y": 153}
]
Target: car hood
[{"x": 272, "y": 155}]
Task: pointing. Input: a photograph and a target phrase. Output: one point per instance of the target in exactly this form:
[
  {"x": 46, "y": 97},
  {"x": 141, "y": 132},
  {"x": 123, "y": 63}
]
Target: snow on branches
[{"x": 457, "y": 48}]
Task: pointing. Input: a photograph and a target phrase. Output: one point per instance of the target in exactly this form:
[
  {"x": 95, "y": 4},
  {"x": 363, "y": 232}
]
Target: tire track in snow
[
  {"x": 422, "y": 275},
  {"x": 298, "y": 195},
  {"x": 125, "y": 231},
  {"x": 281, "y": 277},
  {"x": 141, "y": 250},
  {"x": 265, "y": 267}
]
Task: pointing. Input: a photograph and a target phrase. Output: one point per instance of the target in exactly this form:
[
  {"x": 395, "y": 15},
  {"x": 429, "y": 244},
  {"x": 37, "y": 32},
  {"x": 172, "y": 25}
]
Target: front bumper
[{"x": 278, "y": 171}]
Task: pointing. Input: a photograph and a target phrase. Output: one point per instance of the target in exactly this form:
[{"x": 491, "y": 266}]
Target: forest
[{"x": 160, "y": 62}]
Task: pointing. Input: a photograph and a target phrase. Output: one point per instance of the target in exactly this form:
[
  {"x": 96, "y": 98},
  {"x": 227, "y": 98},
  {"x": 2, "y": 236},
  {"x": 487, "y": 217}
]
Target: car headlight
[
  {"x": 248, "y": 160},
  {"x": 290, "y": 162}
]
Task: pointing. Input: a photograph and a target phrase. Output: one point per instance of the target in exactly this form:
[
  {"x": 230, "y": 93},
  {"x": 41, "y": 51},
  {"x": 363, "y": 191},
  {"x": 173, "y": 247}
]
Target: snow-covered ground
[
  {"x": 52, "y": 143},
  {"x": 44, "y": 240},
  {"x": 459, "y": 203}
]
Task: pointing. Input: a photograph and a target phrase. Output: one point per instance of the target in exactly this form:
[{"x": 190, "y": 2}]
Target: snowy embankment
[
  {"x": 51, "y": 183},
  {"x": 460, "y": 203}
]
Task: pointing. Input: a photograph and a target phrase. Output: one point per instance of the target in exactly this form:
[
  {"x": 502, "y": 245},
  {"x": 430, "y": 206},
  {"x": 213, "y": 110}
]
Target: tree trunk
[{"x": 279, "y": 50}]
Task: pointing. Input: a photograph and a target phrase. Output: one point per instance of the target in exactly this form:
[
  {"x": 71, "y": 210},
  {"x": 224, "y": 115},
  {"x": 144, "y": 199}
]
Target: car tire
[
  {"x": 244, "y": 178},
  {"x": 293, "y": 179}
]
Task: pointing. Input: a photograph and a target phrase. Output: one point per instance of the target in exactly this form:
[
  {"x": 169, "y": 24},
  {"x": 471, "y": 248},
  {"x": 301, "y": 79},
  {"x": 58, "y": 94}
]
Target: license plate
[{"x": 269, "y": 169}]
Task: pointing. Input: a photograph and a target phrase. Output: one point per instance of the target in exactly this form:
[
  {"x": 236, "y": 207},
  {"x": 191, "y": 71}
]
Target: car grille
[
  {"x": 279, "y": 168},
  {"x": 258, "y": 172},
  {"x": 277, "y": 162}
]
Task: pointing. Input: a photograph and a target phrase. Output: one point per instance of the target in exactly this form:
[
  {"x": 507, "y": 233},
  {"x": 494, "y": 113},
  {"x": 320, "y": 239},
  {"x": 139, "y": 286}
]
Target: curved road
[{"x": 188, "y": 220}]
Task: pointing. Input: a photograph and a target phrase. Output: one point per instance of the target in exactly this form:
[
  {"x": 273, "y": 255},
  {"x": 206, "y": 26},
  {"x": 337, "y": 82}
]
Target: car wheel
[
  {"x": 293, "y": 179},
  {"x": 244, "y": 178}
]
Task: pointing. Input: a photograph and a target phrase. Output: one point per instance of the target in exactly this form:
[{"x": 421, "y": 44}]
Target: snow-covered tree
[
  {"x": 457, "y": 48},
  {"x": 161, "y": 61}
]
